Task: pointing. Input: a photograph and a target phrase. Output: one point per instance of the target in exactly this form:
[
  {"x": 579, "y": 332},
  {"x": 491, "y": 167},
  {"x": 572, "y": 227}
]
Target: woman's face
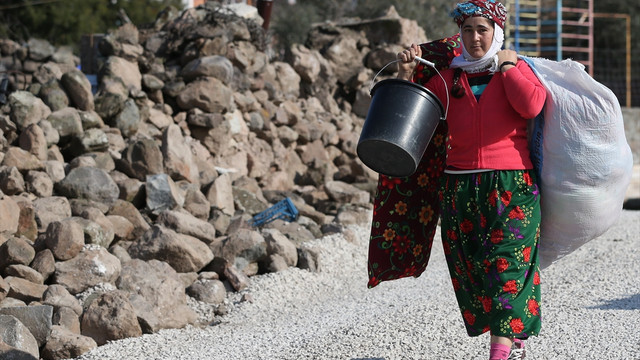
[{"x": 477, "y": 35}]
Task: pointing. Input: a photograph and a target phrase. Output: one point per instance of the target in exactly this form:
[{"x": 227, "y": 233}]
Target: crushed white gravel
[{"x": 591, "y": 310}]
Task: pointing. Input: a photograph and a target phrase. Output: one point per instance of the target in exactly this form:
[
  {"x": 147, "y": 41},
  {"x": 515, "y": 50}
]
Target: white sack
[{"x": 586, "y": 162}]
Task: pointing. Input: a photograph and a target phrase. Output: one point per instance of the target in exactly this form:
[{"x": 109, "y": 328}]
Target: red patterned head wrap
[{"x": 489, "y": 9}]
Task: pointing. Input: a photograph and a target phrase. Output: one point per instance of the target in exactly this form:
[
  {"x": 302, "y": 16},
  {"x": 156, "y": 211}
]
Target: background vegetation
[{"x": 63, "y": 22}]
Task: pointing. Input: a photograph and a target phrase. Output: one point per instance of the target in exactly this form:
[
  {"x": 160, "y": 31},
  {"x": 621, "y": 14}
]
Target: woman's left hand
[{"x": 407, "y": 63}]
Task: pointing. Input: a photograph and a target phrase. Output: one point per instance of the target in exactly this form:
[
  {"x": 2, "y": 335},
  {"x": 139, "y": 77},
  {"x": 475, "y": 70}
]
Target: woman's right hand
[{"x": 407, "y": 61}]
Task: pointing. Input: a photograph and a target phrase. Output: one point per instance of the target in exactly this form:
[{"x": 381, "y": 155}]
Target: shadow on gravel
[
  {"x": 631, "y": 204},
  {"x": 628, "y": 303}
]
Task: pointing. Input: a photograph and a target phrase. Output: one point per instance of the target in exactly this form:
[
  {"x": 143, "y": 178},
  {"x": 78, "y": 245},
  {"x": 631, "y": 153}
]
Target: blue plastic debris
[{"x": 283, "y": 209}]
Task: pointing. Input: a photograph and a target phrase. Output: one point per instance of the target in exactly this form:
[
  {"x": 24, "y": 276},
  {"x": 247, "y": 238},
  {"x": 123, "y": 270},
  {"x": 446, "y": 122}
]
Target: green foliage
[
  {"x": 63, "y": 22},
  {"x": 291, "y": 24}
]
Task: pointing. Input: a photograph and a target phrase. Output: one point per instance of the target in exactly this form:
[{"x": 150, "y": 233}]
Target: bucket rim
[{"x": 410, "y": 84}]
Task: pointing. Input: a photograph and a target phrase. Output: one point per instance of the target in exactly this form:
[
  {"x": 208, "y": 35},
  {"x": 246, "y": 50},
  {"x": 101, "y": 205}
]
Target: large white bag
[{"x": 582, "y": 156}]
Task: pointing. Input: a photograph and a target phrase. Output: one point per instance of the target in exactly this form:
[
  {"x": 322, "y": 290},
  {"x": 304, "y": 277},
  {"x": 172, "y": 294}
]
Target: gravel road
[{"x": 591, "y": 310}]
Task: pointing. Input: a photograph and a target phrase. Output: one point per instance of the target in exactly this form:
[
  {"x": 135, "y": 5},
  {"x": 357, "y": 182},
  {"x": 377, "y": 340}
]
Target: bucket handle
[{"x": 426, "y": 62}]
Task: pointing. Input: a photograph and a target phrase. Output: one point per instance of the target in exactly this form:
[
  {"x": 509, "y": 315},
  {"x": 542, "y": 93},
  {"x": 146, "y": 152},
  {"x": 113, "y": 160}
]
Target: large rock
[
  {"x": 220, "y": 194},
  {"x": 38, "y": 183},
  {"x": 346, "y": 193},
  {"x": 110, "y": 98},
  {"x": 25, "y": 290},
  {"x": 64, "y": 238},
  {"x": 50, "y": 209},
  {"x": 89, "y": 268},
  {"x": 245, "y": 56},
  {"x": 67, "y": 122},
  {"x": 16, "y": 251},
  {"x": 128, "y": 119},
  {"x": 157, "y": 295},
  {"x": 59, "y": 297},
  {"x": 209, "y": 291},
  {"x": 24, "y": 272},
  {"x": 287, "y": 79},
  {"x": 306, "y": 62},
  {"x": 122, "y": 227},
  {"x": 33, "y": 140},
  {"x": 27, "y": 109},
  {"x": 207, "y": 94},
  {"x": 64, "y": 344},
  {"x": 94, "y": 233},
  {"x": 196, "y": 203},
  {"x": 215, "y": 66},
  {"x": 160, "y": 117},
  {"x": 78, "y": 88},
  {"x": 278, "y": 244},
  {"x": 94, "y": 140},
  {"x": 49, "y": 71},
  {"x": 126, "y": 70},
  {"x": 14, "y": 334},
  {"x": 36, "y": 318},
  {"x": 110, "y": 317},
  {"x": 4, "y": 289},
  {"x": 27, "y": 225},
  {"x": 178, "y": 159},
  {"x": 53, "y": 95},
  {"x": 10, "y": 215},
  {"x": 106, "y": 231},
  {"x": 128, "y": 211},
  {"x": 45, "y": 263},
  {"x": 242, "y": 248},
  {"x": 21, "y": 159},
  {"x": 68, "y": 319},
  {"x": 141, "y": 158},
  {"x": 89, "y": 183},
  {"x": 90, "y": 120},
  {"x": 187, "y": 224},
  {"x": 11, "y": 180},
  {"x": 40, "y": 49},
  {"x": 50, "y": 134},
  {"x": 162, "y": 193},
  {"x": 183, "y": 252}
]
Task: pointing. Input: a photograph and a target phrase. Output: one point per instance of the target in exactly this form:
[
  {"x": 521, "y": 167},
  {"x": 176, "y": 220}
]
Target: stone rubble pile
[{"x": 124, "y": 205}]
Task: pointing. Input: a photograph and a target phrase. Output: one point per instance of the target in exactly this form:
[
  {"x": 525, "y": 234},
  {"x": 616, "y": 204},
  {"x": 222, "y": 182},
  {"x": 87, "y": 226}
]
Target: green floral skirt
[{"x": 490, "y": 232}]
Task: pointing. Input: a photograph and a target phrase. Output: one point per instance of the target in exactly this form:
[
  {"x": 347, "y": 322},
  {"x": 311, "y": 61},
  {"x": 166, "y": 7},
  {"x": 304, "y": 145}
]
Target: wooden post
[{"x": 264, "y": 9}]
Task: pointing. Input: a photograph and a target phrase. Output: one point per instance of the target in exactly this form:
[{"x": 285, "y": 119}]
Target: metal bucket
[{"x": 400, "y": 122}]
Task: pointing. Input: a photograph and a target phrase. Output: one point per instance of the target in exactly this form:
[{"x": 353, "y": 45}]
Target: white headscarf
[{"x": 488, "y": 62}]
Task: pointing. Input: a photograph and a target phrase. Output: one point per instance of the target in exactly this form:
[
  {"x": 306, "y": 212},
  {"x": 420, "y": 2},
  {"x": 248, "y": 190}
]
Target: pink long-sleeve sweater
[{"x": 491, "y": 133}]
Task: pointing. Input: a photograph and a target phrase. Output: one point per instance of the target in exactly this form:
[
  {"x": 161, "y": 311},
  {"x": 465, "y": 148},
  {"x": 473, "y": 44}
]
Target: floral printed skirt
[{"x": 490, "y": 231}]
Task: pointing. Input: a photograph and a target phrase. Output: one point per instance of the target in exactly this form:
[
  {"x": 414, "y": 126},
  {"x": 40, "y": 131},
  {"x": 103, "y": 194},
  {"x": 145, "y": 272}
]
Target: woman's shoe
[{"x": 517, "y": 350}]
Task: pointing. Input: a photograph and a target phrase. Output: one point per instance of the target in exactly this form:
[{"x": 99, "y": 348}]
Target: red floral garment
[
  {"x": 406, "y": 210},
  {"x": 490, "y": 236}
]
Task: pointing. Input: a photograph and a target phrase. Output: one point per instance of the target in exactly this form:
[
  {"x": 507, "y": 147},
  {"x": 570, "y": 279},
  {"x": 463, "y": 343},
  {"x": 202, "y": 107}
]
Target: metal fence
[{"x": 610, "y": 69}]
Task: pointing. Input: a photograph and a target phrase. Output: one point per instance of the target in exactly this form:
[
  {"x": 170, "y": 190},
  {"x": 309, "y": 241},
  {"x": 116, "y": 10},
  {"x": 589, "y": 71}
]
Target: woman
[{"x": 490, "y": 203}]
